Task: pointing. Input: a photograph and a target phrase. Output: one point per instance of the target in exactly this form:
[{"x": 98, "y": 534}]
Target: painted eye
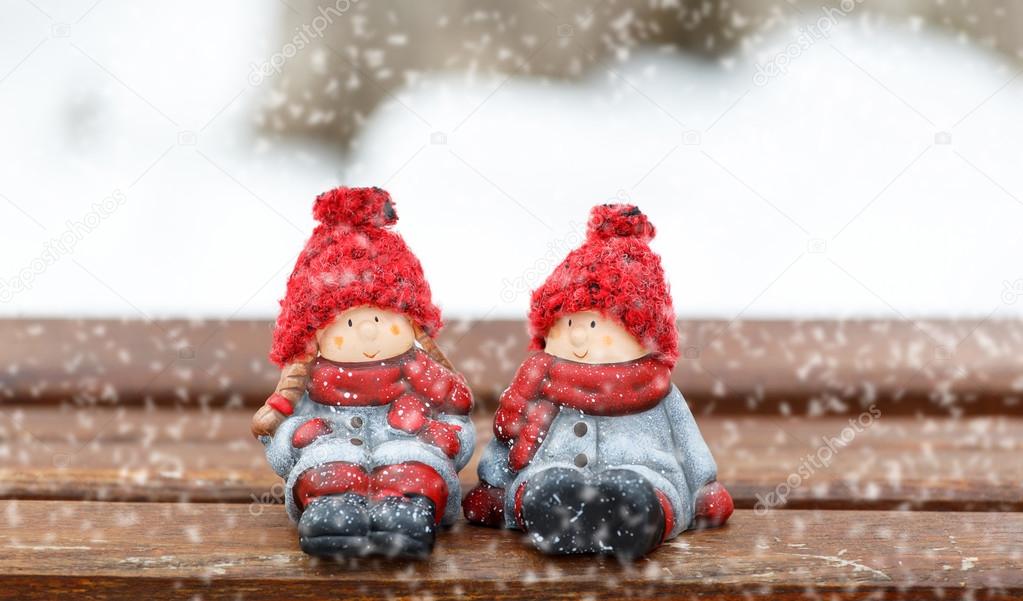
[
  {"x": 569, "y": 323},
  {"x": 376, "y": 319},
  {"x": 593, "y": 324},
  {"x": 349, "y": 323}
]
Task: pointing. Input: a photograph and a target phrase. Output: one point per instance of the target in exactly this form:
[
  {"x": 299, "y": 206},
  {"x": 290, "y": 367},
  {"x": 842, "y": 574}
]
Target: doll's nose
[
  {"x": 368, "y": 330},
  {"x": 577, "y": 336}
]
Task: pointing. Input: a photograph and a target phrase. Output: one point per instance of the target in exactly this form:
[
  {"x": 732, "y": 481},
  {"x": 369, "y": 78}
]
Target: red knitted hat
[
  {"x": 352, "y": 259},
  {"x": 615, "y": 273}
]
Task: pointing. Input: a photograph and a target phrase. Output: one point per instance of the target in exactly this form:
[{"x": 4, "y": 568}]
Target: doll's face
[
  {"x": 365, "y": 334},
  {"x": 588, "y": 337}
]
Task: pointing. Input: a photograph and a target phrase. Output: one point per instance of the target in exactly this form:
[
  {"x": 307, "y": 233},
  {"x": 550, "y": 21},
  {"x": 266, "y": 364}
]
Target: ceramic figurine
[
  {"x": 368, "y": 429},
  {"x": 595, "y": 449}
]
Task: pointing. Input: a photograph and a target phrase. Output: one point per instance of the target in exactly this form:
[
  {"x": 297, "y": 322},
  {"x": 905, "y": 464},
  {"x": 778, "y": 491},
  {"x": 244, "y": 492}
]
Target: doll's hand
[
  {"x": 266, "y": 421},
  {"x": 522, "y": 452},
  {"x": 407, "y": 414},
  {"x": 484, "y": 505},
  {"x": 443, "y": 436},
  {"x": 713, "y": 506}
]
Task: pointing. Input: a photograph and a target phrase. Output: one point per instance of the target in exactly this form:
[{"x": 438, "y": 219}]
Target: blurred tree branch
[{"x": 339, "y": 59}]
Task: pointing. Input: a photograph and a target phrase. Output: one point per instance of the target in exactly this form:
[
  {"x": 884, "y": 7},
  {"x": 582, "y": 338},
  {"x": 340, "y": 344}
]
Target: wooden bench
[{"x": 128, "y": 469}]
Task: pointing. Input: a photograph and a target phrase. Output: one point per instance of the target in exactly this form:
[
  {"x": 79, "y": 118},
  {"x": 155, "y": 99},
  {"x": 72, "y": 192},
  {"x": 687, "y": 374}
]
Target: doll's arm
[
  {"x": 697, "y": 462},
  {"x": 484, "y": 504},
  {"x": 522, "y": 416},
  {"x": 517, "y": 425},
  {"x": 713, "y": 504},
  {"x": 466, "y": 435},
  {"x": 281, "y": 403},
  {"x": 280, "y": 451}
]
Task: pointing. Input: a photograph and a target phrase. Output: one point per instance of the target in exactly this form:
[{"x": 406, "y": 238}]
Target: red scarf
[
  {"x": 544, "y": 384},
  {"x": 608, "y": 389},
  {"x": 417, "y": 388},
  {"x": 365, "y": 384}
]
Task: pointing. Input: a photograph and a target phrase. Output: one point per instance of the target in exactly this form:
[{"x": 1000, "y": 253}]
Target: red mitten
[
  {"x": 522, "y": 452},
  {"x": 713, "y": 506},
  {"x": 443, "y": 436},
  {"x": 407, "y": 414},
  {"x": 484, "y": 505}
]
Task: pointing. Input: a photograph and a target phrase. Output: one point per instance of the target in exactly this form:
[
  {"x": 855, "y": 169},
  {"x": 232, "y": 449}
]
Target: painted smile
[
  {"x": 582, "y": 356},
  {"x": 367, "y": 355}
]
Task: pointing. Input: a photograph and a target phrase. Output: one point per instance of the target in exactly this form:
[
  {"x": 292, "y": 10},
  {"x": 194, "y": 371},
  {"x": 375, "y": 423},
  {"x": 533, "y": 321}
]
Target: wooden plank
[
  {"x": 168, "y": 454},
  {"x": 814, "y": 367},
  {"x": 163, "y": 551}
]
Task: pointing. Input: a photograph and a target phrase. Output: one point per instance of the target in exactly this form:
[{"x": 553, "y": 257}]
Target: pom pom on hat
[
  {"x": 615, "y": 273},
  {"x": 627, "y": 221},
  {"x": 356, "y": 207}
]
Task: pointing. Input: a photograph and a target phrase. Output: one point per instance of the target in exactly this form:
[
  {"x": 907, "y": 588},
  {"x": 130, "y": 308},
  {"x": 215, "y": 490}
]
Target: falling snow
[{"x": 834, "y": 186}]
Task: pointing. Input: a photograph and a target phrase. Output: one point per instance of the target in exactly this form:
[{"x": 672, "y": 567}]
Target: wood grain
[
  {"x": 163, "y": 551},
  {"x": 168, "y": 454},
  {"x": 151, "y": 420},
  {"x": 775, "y": 367}
]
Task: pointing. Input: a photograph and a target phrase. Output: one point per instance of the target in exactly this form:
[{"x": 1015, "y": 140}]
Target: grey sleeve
[
  {"x": 279, "y": 452},
  {"x": 697, "y": 462},
  {"x": 466, "y": 438},
  {"x": 494, "y": 468}
]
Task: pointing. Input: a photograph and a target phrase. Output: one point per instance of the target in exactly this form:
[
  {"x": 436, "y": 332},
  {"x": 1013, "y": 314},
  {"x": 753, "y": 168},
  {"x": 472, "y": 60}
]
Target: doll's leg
[
  {"x": 672, "y": 491},
  {"x": 334, "y": 478},
  {"x": 410, "y": 479},
  {"x": 566, "y": 511},
  {"x": 334, "y": 518},
  {"x": 408, "y": 501},
  {"x": 484, "y": 505},
  {"x": 348, "y": 512}
]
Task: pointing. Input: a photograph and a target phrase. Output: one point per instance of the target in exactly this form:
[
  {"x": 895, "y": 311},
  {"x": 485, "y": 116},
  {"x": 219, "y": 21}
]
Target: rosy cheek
[
  {"x": 339, "y": 341},
  {"x": 395, "y": 330},
  {"x": 608, "y": 341}
]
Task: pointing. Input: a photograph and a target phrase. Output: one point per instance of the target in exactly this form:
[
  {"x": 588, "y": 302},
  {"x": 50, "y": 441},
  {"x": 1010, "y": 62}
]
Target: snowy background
[{"x": 881, "y": 174}]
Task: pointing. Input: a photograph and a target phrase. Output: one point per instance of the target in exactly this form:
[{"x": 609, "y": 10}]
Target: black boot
[
  {"x": 335, "y": 525},
  {"x": 615, "y": 512},
  {"x": 403, "y": 527}
]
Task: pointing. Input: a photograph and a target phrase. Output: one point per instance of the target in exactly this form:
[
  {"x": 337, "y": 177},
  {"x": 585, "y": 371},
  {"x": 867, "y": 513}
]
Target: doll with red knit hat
[
  {"x": 368, "y": 430},
  {"x": 595, "y": 449}
]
